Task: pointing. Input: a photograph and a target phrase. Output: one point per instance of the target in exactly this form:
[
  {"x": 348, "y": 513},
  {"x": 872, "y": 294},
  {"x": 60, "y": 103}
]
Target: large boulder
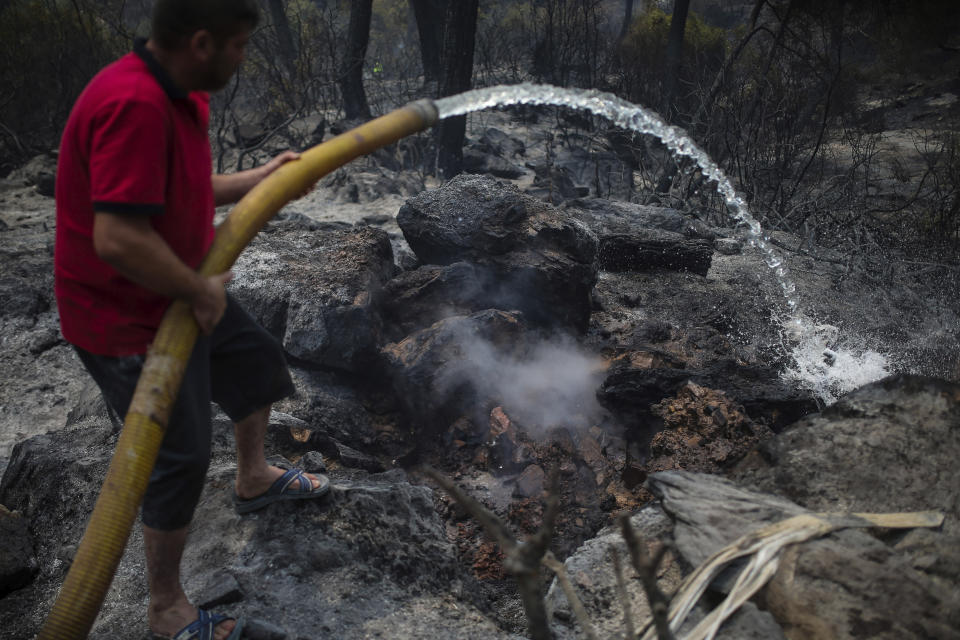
[
  {"x": 476, "y": 217},
  {"x": 316, "y": 291},
  {"x": 415, "y": 299},
  {"x": 533, "y": 258},
  {"x": 892, "y": 445},
  {"x": 847, "y": 584},
  {"x": 889, "y": 446}
]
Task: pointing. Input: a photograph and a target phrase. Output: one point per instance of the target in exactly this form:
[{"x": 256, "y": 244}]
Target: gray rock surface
[
  {"x": 591, "y": 570},
  {"x": 844, "y": 585},
  {"x": 372, "y": 557},
  {"x": 887, "y": 447},
  {"x": 315, "y": 292},
  {"x": 890, "y": 446},
  {"x": 479, "y": 162},
  {"x": 500, "y": 143},
  {"x": 41, "y": 375},
  {"x": 840, "y": 586},
  {"x": 710, "y": 512},
  {"x": 18, "y": 564},
  {"x": 39, "y": 172}
]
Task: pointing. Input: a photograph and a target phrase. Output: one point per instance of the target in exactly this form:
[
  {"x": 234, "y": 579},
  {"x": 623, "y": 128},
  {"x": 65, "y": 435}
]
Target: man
[{"x": 135, "y": 204}]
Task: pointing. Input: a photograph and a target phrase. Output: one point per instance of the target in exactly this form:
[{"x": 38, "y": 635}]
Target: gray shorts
[{"x": 239, "y": 366}]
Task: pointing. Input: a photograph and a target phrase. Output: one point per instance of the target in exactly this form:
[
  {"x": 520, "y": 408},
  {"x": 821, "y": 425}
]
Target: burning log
[{"x": 648, "y": 249}]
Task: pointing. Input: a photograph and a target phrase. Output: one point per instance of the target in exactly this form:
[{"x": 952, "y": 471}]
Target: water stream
[{"x": 819, "y": 364}]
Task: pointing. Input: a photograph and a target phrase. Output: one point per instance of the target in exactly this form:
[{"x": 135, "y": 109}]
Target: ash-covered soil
[{"x": 693, "y": 371}]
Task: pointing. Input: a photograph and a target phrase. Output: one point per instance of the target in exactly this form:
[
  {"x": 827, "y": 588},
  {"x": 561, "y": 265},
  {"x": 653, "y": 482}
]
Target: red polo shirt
[{"x": 134, "y": 144}]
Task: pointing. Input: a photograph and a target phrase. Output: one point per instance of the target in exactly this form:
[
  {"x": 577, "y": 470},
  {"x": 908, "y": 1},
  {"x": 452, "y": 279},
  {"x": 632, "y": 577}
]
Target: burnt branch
[
  {"x": 481, "y": 514},
  {"x": 646, "y": 567},
  {"x": 623, "y": 595},
  {"x": 550, "y": 562},
  {"x": 521, "y": 558}
]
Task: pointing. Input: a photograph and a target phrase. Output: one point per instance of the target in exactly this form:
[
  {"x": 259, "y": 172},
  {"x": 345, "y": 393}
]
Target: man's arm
[
  {"x": 131, "y": 245},
  {"x": 230, "y": 187}
]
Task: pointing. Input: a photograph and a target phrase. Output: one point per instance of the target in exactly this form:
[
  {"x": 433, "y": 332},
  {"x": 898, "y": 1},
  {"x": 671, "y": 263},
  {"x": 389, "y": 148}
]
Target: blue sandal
[
  {"x": 204, "y": 627},
  {"x": 292, "y": 485}
]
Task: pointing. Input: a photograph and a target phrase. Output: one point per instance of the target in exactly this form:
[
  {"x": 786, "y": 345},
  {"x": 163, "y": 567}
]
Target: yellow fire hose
[{"x": 101, "y": 548}]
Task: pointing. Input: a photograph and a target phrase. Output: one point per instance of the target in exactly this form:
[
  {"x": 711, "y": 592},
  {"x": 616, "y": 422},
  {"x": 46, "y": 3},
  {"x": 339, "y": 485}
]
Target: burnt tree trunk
[
  {"x": 351, "y": 73},
  {"x": 627, "y": 19},
  {"x": 678, "y": 24},
  {"x": 281, "y": 26},
  {"x": 429, "y": 15},
  {"x": 456, "y": 72}
]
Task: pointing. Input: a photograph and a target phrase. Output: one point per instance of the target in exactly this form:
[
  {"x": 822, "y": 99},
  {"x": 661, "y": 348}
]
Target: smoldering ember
[{"x": 550, "y": 378}]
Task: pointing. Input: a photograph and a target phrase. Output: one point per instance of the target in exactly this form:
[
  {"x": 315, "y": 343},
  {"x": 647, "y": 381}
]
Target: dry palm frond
[{"x": 764, "y": 547}]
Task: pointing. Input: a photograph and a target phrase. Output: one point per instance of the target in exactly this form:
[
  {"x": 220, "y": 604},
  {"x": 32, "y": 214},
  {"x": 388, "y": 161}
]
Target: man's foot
[
  {"x": 183, "y": 620},
  {"x": 253, "y": 486},
  {"x": 289, "y": 485}
]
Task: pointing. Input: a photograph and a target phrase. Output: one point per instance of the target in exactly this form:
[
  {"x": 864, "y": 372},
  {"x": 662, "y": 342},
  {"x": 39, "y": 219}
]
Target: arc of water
[
  {"x": 817, "y": 364},
  {"x": 641, "y": 120}
]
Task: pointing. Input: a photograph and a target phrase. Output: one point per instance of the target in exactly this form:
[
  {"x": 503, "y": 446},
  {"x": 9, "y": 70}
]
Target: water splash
[
  {"x": 816, "y": 363},
  {"x": 831, "y": 365}
]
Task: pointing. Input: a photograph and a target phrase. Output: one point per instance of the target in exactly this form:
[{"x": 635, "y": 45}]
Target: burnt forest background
[{"x": 790, "y": 97}]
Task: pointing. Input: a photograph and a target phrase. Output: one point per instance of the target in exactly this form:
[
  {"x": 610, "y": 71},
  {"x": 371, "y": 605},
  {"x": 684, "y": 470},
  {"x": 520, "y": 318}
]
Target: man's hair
[{"x": 177, "y": 20}]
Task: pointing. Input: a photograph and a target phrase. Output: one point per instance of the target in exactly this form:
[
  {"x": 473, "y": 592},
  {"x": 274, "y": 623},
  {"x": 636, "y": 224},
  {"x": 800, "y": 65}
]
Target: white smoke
[{"x": 552, "y": 385}]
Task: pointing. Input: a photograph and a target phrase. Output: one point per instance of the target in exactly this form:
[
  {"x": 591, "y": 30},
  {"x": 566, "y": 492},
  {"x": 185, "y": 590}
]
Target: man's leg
[
  {"x": 248, "y": 374},
  {"x": 169, "y": 609},
  {"x": 254, "y": 475}
]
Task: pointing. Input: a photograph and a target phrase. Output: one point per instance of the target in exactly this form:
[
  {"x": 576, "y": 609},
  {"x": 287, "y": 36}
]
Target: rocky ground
[{"x": 499, "y": 328}]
